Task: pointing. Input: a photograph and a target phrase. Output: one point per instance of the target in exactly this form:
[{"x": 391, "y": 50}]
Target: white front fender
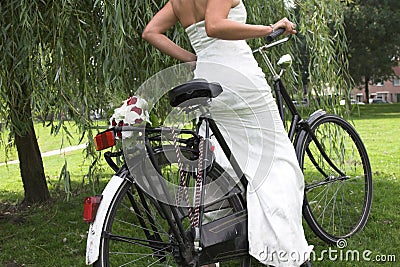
[{"x": 96, "y": 228}]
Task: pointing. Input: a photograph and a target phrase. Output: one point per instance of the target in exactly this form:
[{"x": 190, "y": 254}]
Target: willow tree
[
  {"x": 61, "y": 59},
  {"x": 48, "y": 70},
  {"x": 319, "y": 49}
]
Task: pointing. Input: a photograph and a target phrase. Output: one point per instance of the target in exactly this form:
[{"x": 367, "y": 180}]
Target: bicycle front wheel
[{"x": 338, "y": 178}]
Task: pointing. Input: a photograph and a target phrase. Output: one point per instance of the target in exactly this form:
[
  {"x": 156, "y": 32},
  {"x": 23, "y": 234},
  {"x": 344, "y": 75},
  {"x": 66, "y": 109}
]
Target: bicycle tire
[
  {"x": 336, "y": 205},
  {"x": 126, "y": 241}
]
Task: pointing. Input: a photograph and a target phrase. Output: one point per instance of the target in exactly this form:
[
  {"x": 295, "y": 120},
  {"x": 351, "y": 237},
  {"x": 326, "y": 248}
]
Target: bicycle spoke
[
  {"x": 139, "y": 241},
  {"x": 330, "y": 200},
  {"x": 141, "y": 258},
  {"x": 144, "y": 228}
]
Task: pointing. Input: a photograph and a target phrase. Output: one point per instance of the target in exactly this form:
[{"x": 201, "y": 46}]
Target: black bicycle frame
[
  {"x": 298, "y": 124},
  {"x": 169, "y": 212},
  {"x": 280, "y": 92}
]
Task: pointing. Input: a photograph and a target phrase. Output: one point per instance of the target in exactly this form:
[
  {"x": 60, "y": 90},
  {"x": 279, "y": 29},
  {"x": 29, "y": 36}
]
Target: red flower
[
  {"x": 132, "y": 100},
  {"x": 138, "y": 121},
  {"x": 137, "y": 110},
  {"x": 120, "y": 124}
]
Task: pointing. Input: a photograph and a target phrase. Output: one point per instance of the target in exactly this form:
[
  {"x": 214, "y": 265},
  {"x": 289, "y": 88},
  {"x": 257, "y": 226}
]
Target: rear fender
[{"x": 96, "y": 227}]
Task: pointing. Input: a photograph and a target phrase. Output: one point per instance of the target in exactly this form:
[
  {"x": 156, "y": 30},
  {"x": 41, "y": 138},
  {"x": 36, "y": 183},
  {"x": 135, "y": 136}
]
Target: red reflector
[
  {"x": 104, "y": 140},
  {"x": 90, "y": 206}
]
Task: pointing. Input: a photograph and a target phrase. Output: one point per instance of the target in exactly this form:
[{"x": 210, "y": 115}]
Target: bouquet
[{"x": 134, "y": 111}]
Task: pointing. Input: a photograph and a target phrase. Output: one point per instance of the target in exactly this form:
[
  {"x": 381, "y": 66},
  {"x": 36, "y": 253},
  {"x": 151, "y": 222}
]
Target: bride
[{"x": 218, "y": 31}]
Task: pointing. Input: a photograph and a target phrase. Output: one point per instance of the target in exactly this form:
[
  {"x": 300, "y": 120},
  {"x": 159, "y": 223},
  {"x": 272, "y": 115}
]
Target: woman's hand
[{"x": 285, "y": 24}]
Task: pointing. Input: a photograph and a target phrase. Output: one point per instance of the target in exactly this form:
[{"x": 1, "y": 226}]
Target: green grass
[
  {"x": 378, "y": 126},
  {"x": 46, "y": 141},
  {"x": 55, "y": 235},
  {"x": 47, "y": 235}
]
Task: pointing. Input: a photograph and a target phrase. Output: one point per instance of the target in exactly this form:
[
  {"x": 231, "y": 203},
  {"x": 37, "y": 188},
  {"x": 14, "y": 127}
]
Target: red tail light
[
  {"x": 90, "y": 206},
  {"x": 104, "y": 140}
]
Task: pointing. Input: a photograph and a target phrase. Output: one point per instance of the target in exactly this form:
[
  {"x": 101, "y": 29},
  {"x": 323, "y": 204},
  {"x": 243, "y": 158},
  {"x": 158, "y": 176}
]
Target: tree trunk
[
  {"x": 31, "y": 168},
  {"x": 31, "y": 164},
  {"x": 367, "y": 89}
]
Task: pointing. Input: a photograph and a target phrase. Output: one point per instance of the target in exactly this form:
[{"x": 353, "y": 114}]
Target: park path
[{"x": 50, "y": 153}]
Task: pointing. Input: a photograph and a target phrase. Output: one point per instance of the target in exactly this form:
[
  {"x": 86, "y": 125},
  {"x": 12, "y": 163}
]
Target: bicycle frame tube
[
  {"x": 227, "y": 151},
  {"x": 282, "y": 97},
  {"x": 204, "y": 175},
  {"x": 281, "y": 93},
  {"x": 178, "y": 231},
  {"x": 321, "y": 150},
  {"x": 211, "y": 125},
  {"x": 296, "y": 118}
]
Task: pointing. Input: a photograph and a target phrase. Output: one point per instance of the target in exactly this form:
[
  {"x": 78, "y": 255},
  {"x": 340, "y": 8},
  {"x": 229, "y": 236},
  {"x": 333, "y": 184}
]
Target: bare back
[{"x": 192, "y": 11}]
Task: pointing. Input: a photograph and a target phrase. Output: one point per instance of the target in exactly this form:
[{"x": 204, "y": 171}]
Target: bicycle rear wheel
[
  {"x": 136, "y": 232},
  {"x": 338, "y": 194}
]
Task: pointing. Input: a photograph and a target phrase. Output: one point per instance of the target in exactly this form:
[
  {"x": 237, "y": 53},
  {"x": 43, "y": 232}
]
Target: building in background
[{"x": 381, "y": 91}]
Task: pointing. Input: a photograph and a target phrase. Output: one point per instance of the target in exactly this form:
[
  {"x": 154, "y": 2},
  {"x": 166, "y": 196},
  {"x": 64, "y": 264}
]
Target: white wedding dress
[{"x": 247, "y": 116}]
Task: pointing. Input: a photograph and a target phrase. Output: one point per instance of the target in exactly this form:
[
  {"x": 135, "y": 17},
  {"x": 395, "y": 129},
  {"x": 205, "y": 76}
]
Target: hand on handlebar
[{"x": 287, "y": 25}]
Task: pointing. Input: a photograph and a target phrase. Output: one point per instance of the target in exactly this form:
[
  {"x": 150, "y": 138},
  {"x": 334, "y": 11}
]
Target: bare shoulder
[
  {"x": 235, "y": 2},
  {"x": 189, "y": 11}
]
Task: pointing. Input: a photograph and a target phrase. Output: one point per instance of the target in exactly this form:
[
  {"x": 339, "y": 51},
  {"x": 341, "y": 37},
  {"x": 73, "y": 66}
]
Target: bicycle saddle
[{"x": 195, "y": 92}]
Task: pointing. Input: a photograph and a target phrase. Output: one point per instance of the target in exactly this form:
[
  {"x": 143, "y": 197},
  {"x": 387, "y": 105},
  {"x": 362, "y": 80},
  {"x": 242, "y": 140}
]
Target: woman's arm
[
  {"x": 219, "y": 26},
  {"x": 154, "y": 34}
]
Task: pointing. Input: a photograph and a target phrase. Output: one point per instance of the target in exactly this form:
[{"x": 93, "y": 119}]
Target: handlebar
[
  {"x": 274, "y": 35},
  {"x": 269, "y": 40}
]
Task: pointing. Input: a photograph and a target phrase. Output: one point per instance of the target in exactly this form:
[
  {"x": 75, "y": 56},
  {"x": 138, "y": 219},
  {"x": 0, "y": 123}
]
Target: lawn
[
  {"x": 378, "y": 126},
  {"x": 46, "y": 141},
  {"x": 55, "y": 235}
]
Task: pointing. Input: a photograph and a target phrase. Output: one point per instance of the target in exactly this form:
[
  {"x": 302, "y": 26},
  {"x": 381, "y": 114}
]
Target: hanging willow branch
[
  {"x": 67, "y": 58},
  {"x": 321, "y": 24}
]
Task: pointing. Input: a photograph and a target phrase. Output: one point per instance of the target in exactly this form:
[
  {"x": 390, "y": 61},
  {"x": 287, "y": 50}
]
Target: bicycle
[{"x": 129, "y": 226}]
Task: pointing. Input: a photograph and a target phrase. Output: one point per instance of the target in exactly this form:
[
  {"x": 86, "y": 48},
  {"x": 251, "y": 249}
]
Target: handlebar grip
[{"x": 275, "y": 34}]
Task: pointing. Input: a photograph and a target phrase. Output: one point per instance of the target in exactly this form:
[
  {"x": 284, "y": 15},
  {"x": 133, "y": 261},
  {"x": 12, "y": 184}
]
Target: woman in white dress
[{"x": 248, "y": 117}]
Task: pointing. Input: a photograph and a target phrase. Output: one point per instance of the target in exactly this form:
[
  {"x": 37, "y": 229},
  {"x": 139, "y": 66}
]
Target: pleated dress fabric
[{"x": 247, "y": 115}]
